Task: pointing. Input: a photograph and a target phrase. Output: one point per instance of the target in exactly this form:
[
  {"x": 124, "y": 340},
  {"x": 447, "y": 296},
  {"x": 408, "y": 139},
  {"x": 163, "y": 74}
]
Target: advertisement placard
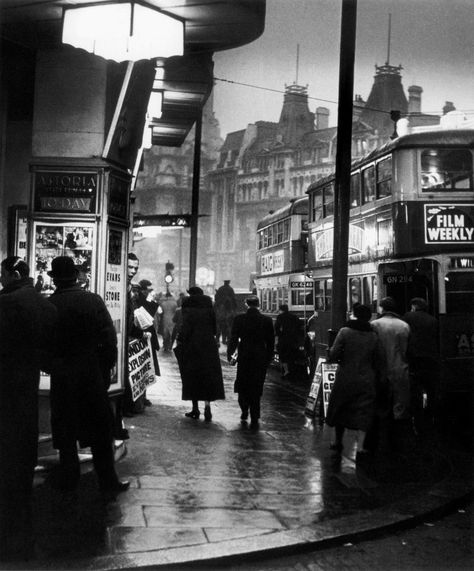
[
  {"x": 141, "y": 371},
  {"x": 314, "y": 390},
  {"x": 328, "y": 373}
]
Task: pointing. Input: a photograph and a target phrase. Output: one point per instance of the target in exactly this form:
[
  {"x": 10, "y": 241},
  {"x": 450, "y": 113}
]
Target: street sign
[{"x": 168, "y": 220}]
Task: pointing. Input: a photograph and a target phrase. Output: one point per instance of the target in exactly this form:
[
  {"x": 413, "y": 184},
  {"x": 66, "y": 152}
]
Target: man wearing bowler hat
[{"x": 86, "y": 351}]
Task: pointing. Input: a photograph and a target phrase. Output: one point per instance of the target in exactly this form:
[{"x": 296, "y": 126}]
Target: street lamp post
[{"x": 343, "y": 164}]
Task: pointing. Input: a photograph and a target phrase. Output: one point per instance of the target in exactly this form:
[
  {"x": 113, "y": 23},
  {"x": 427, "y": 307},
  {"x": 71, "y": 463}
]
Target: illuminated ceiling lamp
[{"x": 123, "y": 31}]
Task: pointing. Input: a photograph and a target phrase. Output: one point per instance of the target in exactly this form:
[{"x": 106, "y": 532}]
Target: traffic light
[{"x": 169, "y": 267}]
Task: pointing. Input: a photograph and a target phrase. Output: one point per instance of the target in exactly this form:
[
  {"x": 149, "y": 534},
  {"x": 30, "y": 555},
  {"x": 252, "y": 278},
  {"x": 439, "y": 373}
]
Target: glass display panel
[{"x": 65, "y": 239}]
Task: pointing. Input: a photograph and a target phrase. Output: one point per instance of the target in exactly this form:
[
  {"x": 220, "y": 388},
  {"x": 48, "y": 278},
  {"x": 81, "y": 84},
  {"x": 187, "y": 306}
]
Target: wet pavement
[{"x": 208, "y": 492}]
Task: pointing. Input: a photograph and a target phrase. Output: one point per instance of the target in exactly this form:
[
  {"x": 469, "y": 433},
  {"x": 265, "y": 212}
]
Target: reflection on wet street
[{"x": 197, "y": 483}]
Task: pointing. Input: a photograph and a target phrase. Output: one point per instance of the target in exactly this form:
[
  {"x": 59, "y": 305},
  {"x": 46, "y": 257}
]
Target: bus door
[{"x": 414, "y": 278}]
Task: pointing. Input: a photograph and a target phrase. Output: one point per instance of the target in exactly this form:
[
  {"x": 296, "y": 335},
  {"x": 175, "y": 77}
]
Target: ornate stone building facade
[
  {"x": 164, "y": 186},
  {"x": 267, "y": 164}
]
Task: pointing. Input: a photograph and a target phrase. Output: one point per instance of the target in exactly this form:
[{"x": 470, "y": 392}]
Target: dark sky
[{"x": 432, "y": 39}]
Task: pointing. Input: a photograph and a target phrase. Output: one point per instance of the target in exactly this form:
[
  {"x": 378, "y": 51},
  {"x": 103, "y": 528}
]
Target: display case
[{"x": 82, "y": 213}]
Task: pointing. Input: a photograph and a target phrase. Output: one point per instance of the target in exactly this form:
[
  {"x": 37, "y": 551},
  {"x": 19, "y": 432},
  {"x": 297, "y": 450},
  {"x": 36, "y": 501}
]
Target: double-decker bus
[
  {"x": 281, "y": 259},
  {"x": 411, "y": 234}
]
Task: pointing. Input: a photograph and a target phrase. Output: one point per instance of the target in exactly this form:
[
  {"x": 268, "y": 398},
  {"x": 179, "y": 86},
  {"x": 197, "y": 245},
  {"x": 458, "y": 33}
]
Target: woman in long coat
[
  {"x": 197, "y": 353},
  {"x": 352, "y": 399}
]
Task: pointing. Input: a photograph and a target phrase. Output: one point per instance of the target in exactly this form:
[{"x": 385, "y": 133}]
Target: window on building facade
[
  {"x": 384, "y": 177},
  {"x": 446, "y": 169}
]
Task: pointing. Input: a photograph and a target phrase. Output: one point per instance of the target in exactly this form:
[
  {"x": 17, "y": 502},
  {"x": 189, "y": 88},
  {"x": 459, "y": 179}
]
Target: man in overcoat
[
  {"x": 393, "y": 334},
  {"x": 27, "y": 329},
  {"x": 86, "y": 350},
  {"x": 225, "y": 304},
  {"x": 424, "y": 361},
  {"x": 253, "y": 337},
  {"x": 287, "y": 331}
]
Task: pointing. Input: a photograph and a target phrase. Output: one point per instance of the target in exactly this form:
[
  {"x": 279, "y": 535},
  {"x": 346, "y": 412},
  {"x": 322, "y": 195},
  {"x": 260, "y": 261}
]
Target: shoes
[
  {"x": 254, "y": 424},
  {"x": 193, "y": 414},
  {"x": 207, "y": 414},
  {"x": 122, "y": 434},
  {"x": 147, "y": 402},
  {"x": 336, "y": 446},
  {"x": 110, "y": 494}
]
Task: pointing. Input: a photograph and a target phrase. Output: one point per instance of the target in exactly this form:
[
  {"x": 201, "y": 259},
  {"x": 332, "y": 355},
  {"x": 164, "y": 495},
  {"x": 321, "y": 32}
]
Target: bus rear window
[
  {"x": 446, "y": 169},
  {"x": 460, "y": 292}
]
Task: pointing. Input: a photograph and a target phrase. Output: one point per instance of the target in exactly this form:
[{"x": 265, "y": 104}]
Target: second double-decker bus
[{"x": 281, "y": 260}]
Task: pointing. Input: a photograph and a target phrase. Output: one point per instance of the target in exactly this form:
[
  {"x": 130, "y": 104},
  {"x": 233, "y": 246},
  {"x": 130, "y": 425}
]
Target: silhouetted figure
[
  {"x": 287, "y": 331},
  {"x": 197, "y": 354},
  {"x": 27, "y": 336},
  {"x": 394, "y": 385},
  {"x": 253, "y": 338},
  {"x": 169, "y": 306},
  {"x": 352, "y": 399},
  {"x": 85, "y": 352},
  {"x": 424, "y": 361},
  {"x": 225, "y": 304}
]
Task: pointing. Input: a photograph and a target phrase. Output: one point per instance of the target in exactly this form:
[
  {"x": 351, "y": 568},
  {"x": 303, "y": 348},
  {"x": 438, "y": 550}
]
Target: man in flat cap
[{"x": 252, "y": 336}]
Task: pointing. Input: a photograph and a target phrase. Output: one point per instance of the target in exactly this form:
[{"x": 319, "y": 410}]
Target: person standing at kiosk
[{"x": 85, "y": 352}]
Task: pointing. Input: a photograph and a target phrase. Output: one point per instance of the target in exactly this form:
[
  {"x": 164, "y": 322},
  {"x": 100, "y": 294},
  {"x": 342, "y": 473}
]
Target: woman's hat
[{"x": 63, "y": 268}]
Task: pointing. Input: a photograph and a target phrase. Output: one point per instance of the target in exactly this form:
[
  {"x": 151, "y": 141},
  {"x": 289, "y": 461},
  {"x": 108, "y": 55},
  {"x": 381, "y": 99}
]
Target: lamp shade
[{"x": 123, "y": 31}]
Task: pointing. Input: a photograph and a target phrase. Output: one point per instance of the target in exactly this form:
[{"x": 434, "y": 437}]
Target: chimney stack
[
  {"x": 322, "y": 118},
  {"x": 414, "y": 99}
]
